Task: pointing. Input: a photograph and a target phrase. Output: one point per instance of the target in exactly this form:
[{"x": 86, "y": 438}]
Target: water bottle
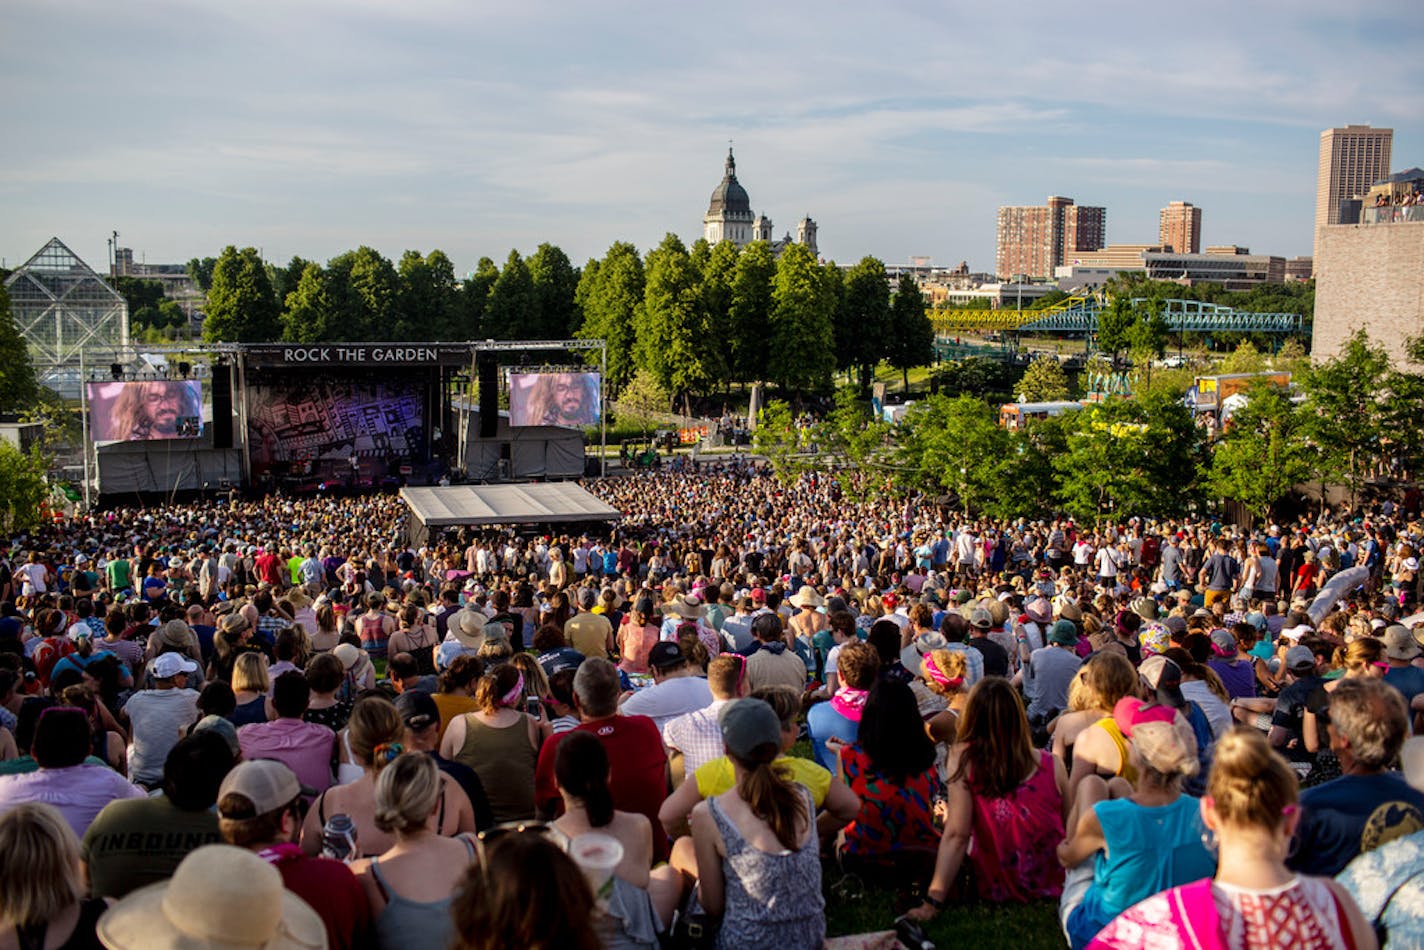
[
  {"x": 338, "y": 839},
  {"x": 911, "y": 935}
]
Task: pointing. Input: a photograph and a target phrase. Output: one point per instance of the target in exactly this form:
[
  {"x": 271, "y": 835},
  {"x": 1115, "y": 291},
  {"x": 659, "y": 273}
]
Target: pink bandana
[
  {"x": 850, "y": 703},
  {"x": 938, "y": 675},
  {"x": 512, "y": 697}
]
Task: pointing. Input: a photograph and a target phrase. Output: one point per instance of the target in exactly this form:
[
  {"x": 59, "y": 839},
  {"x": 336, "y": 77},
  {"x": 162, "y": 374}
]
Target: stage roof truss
[{"x": 528, "y": 503}]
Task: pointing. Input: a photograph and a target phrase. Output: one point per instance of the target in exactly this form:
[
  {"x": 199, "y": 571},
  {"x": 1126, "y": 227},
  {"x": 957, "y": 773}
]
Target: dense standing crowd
[{"x": 277, "y": 722}]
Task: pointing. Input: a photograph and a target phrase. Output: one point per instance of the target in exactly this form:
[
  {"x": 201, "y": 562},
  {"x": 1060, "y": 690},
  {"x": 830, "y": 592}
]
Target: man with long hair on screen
[
  {"x": 564, "y": 399},
  {"x": 155, "y": 409}
]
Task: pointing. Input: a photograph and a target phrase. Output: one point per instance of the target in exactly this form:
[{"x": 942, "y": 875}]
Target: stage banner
[
  {"x": 554, "y": 399},
  {"x": 144, "y": 410},
  {"x": 293, "y": 426}
]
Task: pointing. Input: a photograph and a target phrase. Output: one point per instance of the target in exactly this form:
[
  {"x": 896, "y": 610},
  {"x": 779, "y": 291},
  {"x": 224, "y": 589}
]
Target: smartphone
[{"x": 532, "y": 706}]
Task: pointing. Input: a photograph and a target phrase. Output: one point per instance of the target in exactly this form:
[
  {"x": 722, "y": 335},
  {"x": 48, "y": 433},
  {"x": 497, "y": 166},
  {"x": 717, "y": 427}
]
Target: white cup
[{"x": 597, "y": 854}]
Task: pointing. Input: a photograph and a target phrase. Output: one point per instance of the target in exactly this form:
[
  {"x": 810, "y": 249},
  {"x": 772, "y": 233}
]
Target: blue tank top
[
  {"x": 405, "y": 923},
  {"x": 1148, "y": 851}
]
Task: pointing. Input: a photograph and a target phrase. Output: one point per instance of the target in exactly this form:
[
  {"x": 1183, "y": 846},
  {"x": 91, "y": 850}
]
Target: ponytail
[
  {"x": 773, "y": 798},
  {"x": 581, "y": 769}
]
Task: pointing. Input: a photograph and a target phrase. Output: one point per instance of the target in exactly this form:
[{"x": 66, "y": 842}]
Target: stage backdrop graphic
[
  {"x": 145, "y": 409},
  {"x": 554, "y": 399},
  {"x": 309, "y": 420}
]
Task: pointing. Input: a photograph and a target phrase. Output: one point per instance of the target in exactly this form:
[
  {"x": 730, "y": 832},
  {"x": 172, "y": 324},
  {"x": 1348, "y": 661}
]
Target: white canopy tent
[{"x": 529, "y": 503}]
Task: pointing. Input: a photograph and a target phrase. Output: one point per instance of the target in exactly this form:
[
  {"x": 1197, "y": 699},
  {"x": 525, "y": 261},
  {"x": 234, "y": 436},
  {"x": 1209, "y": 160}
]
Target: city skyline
[{"x": 311, "y": 129}]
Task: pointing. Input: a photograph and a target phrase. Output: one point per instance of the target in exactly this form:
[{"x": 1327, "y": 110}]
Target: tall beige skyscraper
[
  {"x": 1351, "y": 160},
  {"x": 1179, "y": 228}
]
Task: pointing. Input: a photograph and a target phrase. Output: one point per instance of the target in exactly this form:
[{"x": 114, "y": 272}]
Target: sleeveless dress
[
  {"x": 1014, "y": 840},
  {"x": 772, "y": 900},
  {"x": 407, "y": 923}
]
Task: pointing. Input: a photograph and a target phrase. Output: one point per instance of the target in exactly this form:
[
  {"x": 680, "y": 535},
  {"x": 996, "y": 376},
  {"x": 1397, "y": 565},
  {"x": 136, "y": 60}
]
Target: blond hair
[
  {"x": 407, "y": 792},
  {"x": 1102, "y": 680},
  {"x": 1251, "y": 786},
  {"x": 250, "y": 673},
  {"x": 954, "y": 664},
  {"x": 39, "y": 863}
]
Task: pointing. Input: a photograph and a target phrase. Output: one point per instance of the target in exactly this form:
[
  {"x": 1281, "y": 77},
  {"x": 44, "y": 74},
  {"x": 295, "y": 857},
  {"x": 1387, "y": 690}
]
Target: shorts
[{"x": 1214, "y": 596}]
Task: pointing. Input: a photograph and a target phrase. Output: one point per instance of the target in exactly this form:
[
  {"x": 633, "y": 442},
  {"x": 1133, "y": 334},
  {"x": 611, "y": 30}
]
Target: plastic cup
[{"x": 597, "y": 854}]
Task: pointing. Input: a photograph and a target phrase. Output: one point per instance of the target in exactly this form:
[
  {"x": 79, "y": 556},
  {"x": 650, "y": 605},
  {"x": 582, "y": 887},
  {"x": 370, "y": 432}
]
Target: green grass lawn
[{"x": 869, "y": 908}]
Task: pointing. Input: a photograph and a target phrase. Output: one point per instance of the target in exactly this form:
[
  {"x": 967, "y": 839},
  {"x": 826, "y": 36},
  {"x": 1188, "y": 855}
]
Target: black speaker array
[
  {"x": 222, "y": 406},
  {"x": 489, "y": 397}
]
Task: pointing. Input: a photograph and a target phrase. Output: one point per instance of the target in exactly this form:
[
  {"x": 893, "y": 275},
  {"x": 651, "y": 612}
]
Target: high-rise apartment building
[
  {"x": 1179, "y": 228},
  {"x": 1032, "y": 240},
  {"x": 1351, "y": 160}
]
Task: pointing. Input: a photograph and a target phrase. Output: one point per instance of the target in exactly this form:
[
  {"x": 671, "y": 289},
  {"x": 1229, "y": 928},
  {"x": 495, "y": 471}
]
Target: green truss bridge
[{"x": 1080, "y": 315}]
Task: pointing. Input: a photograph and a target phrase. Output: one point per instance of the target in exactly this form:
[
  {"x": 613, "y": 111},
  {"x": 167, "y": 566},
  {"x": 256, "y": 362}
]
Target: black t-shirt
[
  {"x": 1294, "y": 699},
  {"x": 996, "y": 658}
]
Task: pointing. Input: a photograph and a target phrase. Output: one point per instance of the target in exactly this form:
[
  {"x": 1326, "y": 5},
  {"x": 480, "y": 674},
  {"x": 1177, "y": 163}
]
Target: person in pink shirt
[
  {"x": 305, "y": 747},
  {"x": 79, "y": 790}
]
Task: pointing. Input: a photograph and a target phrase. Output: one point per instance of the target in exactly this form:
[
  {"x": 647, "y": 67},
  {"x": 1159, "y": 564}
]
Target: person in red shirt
[
  {"x": 258, "y": 805},
  {"x": 638, "y": 764},
  {"x": 269, "y": 568}
]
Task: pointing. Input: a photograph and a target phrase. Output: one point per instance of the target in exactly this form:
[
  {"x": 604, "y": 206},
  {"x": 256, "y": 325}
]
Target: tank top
[
  {"x": 505, "y": 760},
  {"x": 407, "y": 923},
  {"x": 81, "y": 938},
  {"x": 1270, "y": 575},
  {"x": 372, "y": 630},
  {"x": 1015, "y": 840},
  {"x": 1125, "y": 768}
]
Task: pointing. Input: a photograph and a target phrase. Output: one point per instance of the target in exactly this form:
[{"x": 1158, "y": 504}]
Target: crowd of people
[{"x": 276, "y": 722}]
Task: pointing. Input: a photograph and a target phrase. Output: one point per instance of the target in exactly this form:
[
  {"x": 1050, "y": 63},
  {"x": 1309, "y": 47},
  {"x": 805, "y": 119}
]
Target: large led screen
[
  {"x": 294, "y": 426},
  {"x": 146, "y": 409},
  {"x": 553, "y": 399}
]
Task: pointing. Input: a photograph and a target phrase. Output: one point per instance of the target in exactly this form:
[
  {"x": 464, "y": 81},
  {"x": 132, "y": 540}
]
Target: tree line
[
  {"x": 1348, "y": 421},
  {"x": 694, "y": 319}
]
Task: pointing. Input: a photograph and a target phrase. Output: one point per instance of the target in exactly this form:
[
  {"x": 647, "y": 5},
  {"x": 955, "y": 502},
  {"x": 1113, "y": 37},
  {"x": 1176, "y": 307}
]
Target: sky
[{"x": 310, "y": 127}]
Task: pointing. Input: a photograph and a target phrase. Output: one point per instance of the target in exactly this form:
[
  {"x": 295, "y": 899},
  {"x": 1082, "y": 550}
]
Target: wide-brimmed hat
[
  {"x": 1399, "y": 643},
  {"x": 686, "y": 606},
  {"x": 176, "y": 633},
  {"x": 349, "y": 654},
  {"x": 219, "y": 898},
  {"x": 1039, "y": 610},
  {"x": 807, "y": 599},
  {"x": 912, "y": 657},
  {"x": 233, "y": 622},
  {"x": 468, "y": 627}
]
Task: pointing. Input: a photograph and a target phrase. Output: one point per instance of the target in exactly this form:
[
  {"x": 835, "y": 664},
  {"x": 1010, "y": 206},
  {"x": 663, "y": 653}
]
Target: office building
[
  {"x": 1234, "y": 268},
  {"x": 1179, "y": 228},
  {"x": 1351, "y": 160},
  {"x": 1032, "y": 240}
]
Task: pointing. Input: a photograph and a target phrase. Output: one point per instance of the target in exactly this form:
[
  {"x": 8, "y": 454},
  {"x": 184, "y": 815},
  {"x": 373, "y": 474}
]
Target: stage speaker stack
[
  {"x": 489, "y": 397},
  {"x": 222, "y": 405}
]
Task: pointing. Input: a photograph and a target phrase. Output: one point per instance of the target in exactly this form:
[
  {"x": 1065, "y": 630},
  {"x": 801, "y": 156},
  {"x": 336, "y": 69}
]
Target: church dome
[{"x": 730, "y": 197}]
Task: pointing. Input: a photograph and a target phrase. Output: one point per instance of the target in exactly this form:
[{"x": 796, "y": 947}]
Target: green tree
[
  {"x": 718, "y": 274},
  {"x": 750, "y": 313},
  {"x": 426, "y": 297},
  {"x": 511, "y": 310},
  {"x": 953, "y": 446},
  {"x": 611, "y": 293},
  {"x": 1129, "y": 457},
  {"x": 365, "y": 286},
  {"x": 911, "y": 335},
  {"x": 285, "y": 279},
  {"x": 555, "y": 282},
  {"x": 670, "y": 327},
  {"x": 313, "y": 313},
  {"x": 23, "y": 489},
  {"x": 778, "y": 439},
  {"x": 201, "y": 271},
  {"x": 1262, "y": 452},
  {"x": 1244, "y": 359},
  {"x": 862, "y": 329},
  {"x": 473, "y": 300},
  {"x": 978, "y": 376},
  {"x": 242, "y": 307},
  {"x": 1346, "y": 400},
  {"x": 18, "y": 387},
  {"x": 643, "y": 402},
  {"x": 1043, "y": 381},
  {"x": 800, "y": 335},
  {"x": 1114, "y": 322}
]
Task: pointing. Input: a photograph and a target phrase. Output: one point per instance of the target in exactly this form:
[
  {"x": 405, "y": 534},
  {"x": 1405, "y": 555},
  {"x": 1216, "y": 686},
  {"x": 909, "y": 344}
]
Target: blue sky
[{"x": 313, "y": 126}]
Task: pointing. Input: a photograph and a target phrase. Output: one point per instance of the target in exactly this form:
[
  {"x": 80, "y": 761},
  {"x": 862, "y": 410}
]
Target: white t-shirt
[
  {"x": 159, "y": 718},
  {"x": 669, "y": 699}
]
